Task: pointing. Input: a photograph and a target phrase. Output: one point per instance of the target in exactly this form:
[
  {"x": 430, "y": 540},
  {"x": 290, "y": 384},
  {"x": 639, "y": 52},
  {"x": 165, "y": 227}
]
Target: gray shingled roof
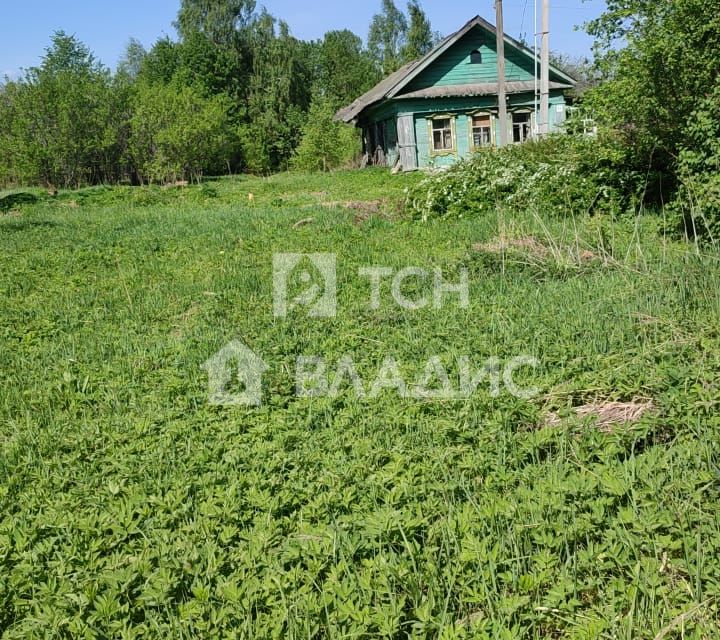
[
  {"x": 377, "y": 93},
  {"x": 391, "y": 86},
  {"x": 481, "y": 89}
]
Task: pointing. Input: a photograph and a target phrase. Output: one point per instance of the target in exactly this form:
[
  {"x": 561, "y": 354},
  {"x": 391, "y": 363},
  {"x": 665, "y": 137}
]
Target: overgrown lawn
[{"x": 131, "y": 507}]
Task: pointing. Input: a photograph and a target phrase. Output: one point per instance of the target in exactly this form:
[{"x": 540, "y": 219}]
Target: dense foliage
[
  {"x": 559, "y": 175},
  {"x": 326, "y": 144},
  {"x": 660, "y": 65},
  {"x": 176, "y": 133},
  {"x": 697, "y": 205},
  {"x": 71, "y": 122},
  {"x": 654, "y": 94},
  {"x": 66, "y": 122}
]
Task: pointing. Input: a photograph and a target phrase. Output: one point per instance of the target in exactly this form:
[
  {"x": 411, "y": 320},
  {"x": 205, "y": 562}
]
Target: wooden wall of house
[
  {"x": 462, "y": 126},
  {"x": 455, "y": 66},
  {"x": 421, "y": 110}
]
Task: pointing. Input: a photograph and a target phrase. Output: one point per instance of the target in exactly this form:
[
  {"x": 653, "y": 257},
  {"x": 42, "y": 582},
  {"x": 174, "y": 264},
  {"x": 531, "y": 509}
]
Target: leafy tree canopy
[
  {"x": 388, "y": 33},
  {"x": 219, "y": 20},
  {"x": 420, "y": 38},
  {"x": 345, "y": 69}
]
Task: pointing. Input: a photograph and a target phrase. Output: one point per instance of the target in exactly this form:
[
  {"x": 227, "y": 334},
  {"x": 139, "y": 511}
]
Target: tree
[
  {"x": 278, "y": 97},
  {"x": 326, "y": 144},
  {"x": 667, "y": 62},
  {"x": 213, "y": 69},
  {"x": 177, "y": 133},
  {"x": 220, "y": 20},
  {"x": 132, "y": 60},
  {"x": 388, "y": 32},
  {"x": 577, "y": 67},
  {"x": 61, "y": 119},
  {"x": 420, "y": 38},
  {"x": 345, "y": 70},
  {"x": 161, "y": 63}
]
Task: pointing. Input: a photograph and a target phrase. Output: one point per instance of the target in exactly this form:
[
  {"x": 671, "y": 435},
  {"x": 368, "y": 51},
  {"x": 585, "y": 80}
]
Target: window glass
[
  {"x": 521, "y": 127},
  {"x": 481, "y": 130},
  {"x": 442, "y": 134}
]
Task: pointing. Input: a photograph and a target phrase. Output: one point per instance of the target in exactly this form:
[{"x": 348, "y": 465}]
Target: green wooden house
[{"x": 444, "y": 106}]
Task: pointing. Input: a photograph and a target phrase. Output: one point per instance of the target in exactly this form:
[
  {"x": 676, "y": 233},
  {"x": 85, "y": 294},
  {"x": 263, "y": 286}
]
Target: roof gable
[
  {"x": 448, "y": 64},
  {"x": 456, "y": 67},
  {"x": 517, "y": 54}
]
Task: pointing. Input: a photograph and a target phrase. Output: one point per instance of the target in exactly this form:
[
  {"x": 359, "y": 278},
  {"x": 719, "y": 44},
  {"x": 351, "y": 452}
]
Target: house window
[
  {"x": 521, "y": 126},
  {"x": 475, "y": 57},
  {"x": 442, "y": 134},
  {"x": 481, "y": 130}
]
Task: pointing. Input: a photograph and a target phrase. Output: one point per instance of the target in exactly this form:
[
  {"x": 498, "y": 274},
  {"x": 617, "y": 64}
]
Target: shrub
[
  {"x": 559, "y": 175},
  {"x": 326, "y": 144},
  {"x": 695, "y": 210},
  {"x": 60, "y": 124},
  {"x": 177, "y": 133}
]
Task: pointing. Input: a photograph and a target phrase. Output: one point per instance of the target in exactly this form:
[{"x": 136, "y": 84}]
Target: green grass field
[{"x": 132, "y": 507}]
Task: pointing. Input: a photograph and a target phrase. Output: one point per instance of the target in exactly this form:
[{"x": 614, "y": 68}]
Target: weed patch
[{"x": 131, "y": 506}]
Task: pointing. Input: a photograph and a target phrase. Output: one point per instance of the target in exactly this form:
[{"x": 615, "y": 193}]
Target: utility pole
[
  {"x": 500, "y": 46},
  {"x": 536, "y": 72},
  {"x": 544, "y": 124}
]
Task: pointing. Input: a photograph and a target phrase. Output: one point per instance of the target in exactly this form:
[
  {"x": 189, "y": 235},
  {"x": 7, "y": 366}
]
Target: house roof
[
  {"x": 391, "y": 86},
  {"x": 480, "y": 89},
  {"x": 377, "y": 93}
]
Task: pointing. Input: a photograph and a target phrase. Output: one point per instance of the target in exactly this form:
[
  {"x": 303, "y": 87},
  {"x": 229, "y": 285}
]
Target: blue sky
[{"x": 105, "y": 27}]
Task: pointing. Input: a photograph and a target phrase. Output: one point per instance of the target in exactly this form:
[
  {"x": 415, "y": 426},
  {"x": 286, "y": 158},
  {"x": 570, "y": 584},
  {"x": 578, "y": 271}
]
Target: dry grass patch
[
  {"x": 527, "y": 245},
  {"x": 606, "y": 414},
  {"x": 302, "y": 223},
  {"x": 533, "y": 248}
]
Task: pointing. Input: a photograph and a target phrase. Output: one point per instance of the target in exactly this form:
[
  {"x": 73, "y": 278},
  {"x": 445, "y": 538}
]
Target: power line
[{"x": 522, "y": 21}]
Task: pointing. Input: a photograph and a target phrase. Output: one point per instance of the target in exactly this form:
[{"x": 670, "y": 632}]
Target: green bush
[
  {"x": 61, "y": 124},
  {"x": 326, "y": 144},
  {"x": 695, "y": 210},
  {"x": 559, "y": 175},
  {"x": 177, "y": 133}
]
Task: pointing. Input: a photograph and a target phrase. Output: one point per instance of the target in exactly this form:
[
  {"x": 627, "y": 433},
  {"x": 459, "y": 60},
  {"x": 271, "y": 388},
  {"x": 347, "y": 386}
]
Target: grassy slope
[{"x": 130, "y": 506}]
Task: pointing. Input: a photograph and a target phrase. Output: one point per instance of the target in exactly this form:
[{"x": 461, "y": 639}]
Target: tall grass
[{"x": 131, "y": 507}]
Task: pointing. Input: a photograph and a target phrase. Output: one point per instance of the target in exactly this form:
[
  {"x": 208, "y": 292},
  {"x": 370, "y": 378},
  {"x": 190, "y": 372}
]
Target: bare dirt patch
[{"x": 364, "y": 209}]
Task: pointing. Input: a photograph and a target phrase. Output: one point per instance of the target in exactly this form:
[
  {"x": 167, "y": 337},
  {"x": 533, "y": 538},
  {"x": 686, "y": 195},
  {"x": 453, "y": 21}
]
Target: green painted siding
[
  {"x": 454, "y": 66},
  {"x": 392, "y": 151},
  {"x": 422, "y": 141},
  {"x": 462, "y": 131},
  {"x": 461, "y": 108}
]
